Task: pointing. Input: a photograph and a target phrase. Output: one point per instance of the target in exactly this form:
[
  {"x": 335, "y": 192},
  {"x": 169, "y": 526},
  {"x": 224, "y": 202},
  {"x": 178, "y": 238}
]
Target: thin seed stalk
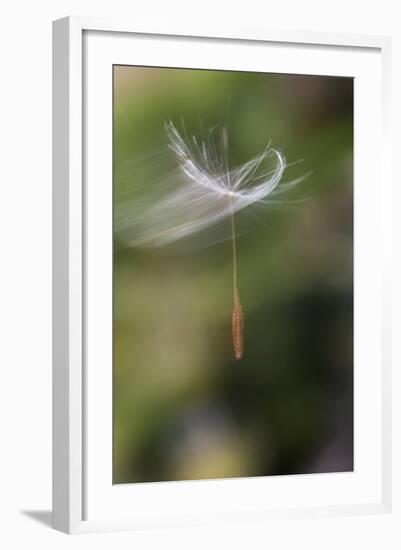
[{"x": 237, "y": 318}]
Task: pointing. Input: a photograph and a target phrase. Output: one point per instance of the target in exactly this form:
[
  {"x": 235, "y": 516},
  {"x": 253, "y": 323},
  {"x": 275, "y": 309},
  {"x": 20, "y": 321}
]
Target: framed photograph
[{"x": 220, "y": 276}]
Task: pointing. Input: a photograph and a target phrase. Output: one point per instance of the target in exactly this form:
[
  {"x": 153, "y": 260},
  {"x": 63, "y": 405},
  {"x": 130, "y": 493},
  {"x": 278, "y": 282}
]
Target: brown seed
[{"x": 238, "y": 327}]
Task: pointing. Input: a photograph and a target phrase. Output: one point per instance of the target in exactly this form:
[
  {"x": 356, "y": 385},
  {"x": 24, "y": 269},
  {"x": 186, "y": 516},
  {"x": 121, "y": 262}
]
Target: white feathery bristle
[{"x": 206, "y": 190}]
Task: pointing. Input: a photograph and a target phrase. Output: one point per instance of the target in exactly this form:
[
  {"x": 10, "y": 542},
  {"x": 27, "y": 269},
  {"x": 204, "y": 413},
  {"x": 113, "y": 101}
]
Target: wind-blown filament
[{"x": 237, "y": 317}]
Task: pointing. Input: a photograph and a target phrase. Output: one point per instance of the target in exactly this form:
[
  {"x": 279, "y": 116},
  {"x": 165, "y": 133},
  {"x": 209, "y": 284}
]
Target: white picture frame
[{"x": 83, "y": 49}]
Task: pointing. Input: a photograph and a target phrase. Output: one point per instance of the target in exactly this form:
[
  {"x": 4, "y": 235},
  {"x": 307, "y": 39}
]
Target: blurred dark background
[{"x": 183, "y": 407}]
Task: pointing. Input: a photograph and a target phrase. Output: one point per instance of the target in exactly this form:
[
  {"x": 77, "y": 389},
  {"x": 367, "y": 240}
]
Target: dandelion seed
[
  {"x": 206, "y": 192},
  {"x": 241, "y": 186}
]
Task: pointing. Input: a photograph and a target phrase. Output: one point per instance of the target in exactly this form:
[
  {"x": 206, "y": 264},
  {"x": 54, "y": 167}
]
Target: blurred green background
[{"x": 183, "y": 407}]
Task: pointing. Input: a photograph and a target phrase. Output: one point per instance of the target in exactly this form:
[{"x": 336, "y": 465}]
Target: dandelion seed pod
[{"x": 238, "y": 328}]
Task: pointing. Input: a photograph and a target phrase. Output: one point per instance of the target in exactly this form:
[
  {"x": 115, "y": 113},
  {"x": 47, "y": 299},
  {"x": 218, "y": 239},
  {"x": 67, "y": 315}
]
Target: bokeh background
[{"x": 183, "y": 407}]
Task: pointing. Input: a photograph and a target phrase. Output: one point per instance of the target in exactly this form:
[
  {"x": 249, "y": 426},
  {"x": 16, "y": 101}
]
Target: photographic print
[{"x": 232, "y": 274}]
